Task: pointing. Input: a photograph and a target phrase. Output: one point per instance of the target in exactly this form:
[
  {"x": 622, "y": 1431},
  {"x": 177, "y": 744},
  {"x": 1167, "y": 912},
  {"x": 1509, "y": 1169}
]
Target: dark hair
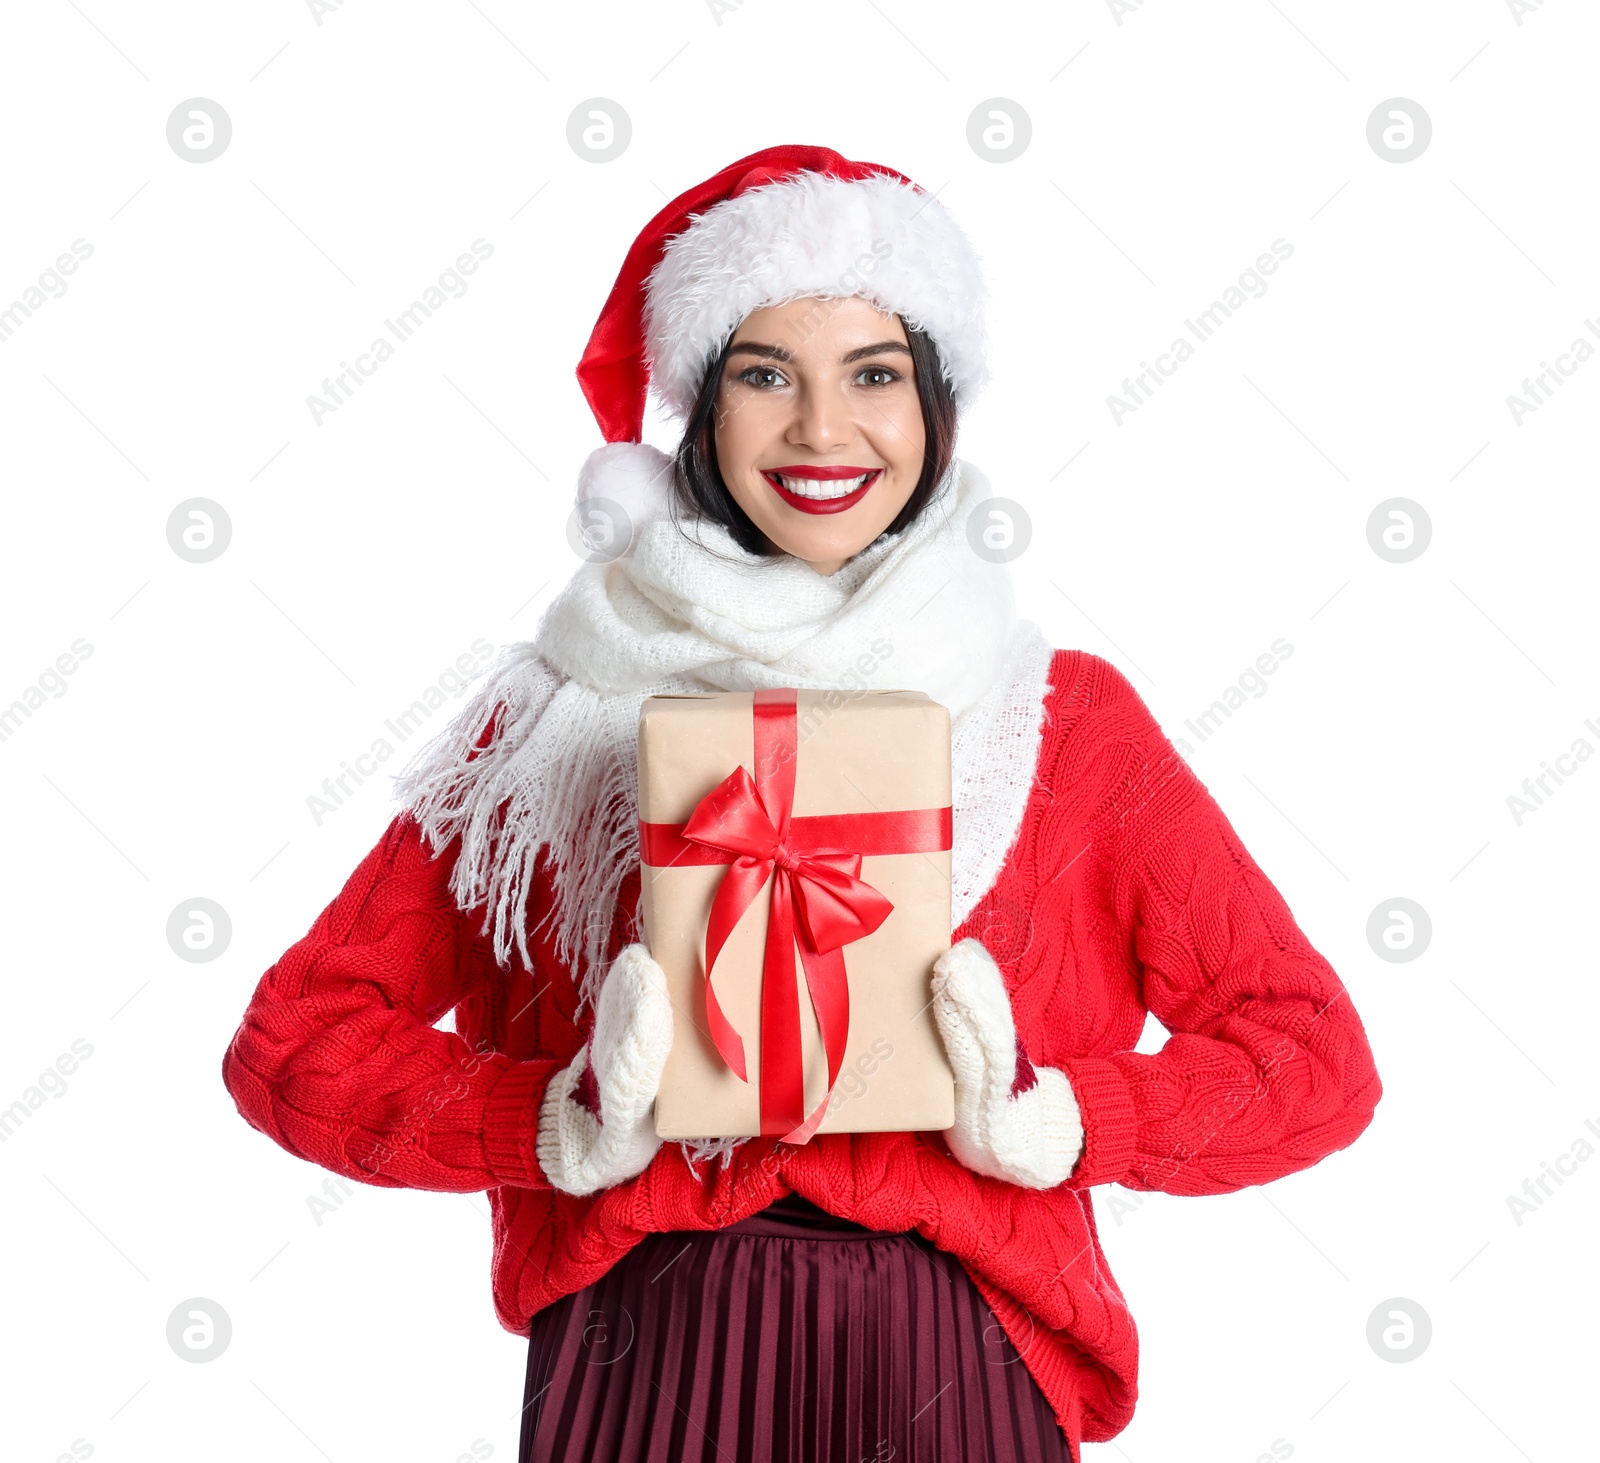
[{"x": 697, "y": 480}]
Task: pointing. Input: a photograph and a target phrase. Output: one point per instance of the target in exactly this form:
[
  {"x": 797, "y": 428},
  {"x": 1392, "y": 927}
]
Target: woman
[{"x": 816, "y": 323}]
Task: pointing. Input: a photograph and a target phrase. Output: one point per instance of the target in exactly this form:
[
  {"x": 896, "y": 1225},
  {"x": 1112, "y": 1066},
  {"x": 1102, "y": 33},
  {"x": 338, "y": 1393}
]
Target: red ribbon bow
[{"x": 814, "y": 865}]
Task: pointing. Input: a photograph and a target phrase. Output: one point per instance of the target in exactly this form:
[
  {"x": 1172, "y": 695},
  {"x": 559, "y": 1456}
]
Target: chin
[{"x": 815, "y": 550}]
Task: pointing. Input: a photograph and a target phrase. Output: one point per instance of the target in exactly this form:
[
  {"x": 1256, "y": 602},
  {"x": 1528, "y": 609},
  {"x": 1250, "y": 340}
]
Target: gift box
[{"x": 795, "y": 888}]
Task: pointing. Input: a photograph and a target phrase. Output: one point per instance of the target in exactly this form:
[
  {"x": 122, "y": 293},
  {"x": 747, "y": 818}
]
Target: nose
[{"x": 822, "y": 421}]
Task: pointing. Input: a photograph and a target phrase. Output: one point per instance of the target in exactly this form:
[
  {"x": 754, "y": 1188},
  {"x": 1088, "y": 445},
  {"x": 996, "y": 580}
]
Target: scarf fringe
[
  {"x": 488, "y": 780},
  {"x": 704, "y": 1150}
]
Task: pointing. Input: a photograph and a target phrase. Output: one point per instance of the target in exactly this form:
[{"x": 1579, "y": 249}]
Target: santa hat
[{"x": 782, "y": 223}]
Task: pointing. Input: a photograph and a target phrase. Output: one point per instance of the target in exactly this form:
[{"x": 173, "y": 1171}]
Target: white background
[{"x": 1169, "y": 148}]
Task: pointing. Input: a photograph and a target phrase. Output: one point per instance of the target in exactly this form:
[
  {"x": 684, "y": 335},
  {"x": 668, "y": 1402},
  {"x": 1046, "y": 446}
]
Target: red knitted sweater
[{"x": 1126, "y": 891}]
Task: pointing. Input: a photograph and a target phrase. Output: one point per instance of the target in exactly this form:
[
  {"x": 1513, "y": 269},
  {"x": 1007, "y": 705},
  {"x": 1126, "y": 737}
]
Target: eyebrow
[
  {"x": 778, "y": 353},
  {"x": 883, "y": 346}
]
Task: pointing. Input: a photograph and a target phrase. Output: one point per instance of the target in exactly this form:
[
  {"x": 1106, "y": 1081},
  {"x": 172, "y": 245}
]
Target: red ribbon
[{"x": 814, "y": 864}]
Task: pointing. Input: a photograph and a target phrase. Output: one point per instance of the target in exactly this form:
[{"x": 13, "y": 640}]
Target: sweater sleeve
[
  {"x": 337, "y": 1058},
  {"x": 1266, "y": 1069}
]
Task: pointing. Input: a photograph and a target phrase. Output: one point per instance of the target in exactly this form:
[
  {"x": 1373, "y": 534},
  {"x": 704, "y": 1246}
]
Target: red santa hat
[{"x": 783, "y": 223}]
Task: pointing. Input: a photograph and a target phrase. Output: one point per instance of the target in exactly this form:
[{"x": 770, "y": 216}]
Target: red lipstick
[{"x": 809, "y": 500}]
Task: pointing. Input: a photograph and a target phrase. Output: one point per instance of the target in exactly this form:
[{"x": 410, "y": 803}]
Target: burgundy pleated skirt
[{"x": 792, "y": 1335}]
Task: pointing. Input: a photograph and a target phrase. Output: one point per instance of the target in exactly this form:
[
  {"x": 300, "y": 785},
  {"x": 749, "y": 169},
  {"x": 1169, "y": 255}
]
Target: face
[{"x": 819, "y": 432}]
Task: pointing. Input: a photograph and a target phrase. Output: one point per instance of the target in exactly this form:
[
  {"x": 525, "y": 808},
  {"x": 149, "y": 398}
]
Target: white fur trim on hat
[{"x": 814, "y": 235}]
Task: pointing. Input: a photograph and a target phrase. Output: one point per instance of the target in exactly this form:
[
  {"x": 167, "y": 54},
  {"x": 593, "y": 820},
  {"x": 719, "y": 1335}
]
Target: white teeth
[{"x": 823, "y": 487}]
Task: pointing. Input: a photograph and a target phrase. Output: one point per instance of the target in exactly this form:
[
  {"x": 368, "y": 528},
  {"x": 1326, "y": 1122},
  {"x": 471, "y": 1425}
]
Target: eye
[
  {"x": 763, "y": 378},
  {"x": 878, "y": 376}
]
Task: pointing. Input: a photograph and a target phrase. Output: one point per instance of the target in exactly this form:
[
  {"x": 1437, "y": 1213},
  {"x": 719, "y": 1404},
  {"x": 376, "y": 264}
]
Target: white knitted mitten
[
  {"x": 1033, "y": 1138},
  {"x": 578, "y": 1151}
]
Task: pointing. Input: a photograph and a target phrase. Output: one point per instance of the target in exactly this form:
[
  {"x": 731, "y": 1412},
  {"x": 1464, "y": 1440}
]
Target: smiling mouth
[{"x": 822, "y": 489}]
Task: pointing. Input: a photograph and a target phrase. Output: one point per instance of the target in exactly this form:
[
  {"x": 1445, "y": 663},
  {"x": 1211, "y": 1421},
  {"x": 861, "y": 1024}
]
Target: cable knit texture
[{"x": 1127, "y": 890}]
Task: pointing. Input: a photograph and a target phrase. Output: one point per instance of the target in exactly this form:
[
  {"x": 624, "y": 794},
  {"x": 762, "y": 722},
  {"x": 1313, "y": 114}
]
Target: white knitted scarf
[{"x": 686, "y": 609}]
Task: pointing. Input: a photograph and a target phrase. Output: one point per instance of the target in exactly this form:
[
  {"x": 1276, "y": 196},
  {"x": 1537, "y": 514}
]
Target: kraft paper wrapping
[{"x": 858, "y": 752}]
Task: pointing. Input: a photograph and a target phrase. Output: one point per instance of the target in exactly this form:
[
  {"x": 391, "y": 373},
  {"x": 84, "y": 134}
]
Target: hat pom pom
[{"x": 634, "y": 476}]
